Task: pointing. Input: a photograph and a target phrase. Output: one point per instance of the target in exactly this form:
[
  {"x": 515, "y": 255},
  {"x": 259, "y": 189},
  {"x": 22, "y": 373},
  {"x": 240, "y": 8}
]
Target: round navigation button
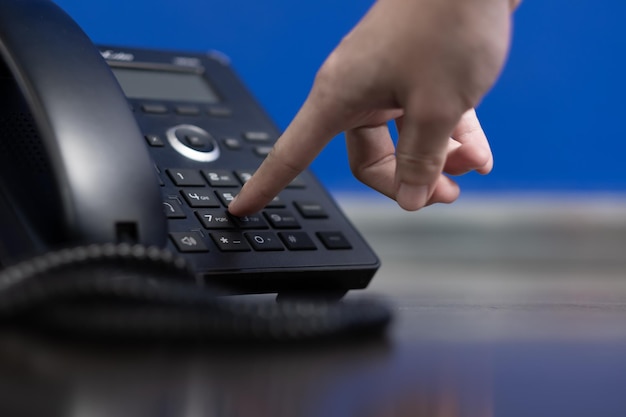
[{"x": 193, "y": 142}]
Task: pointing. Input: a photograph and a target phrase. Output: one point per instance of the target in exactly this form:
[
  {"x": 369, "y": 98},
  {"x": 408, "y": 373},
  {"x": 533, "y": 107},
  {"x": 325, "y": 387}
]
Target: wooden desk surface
[{"x": 507, "y": 311}]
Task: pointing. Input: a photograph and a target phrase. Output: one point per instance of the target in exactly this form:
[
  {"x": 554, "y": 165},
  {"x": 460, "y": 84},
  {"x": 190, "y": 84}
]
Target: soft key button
[
  {"x": 188, "y": 110},
  {"x": 256, "y": 136},
  {"x": 310, "y": 210}
]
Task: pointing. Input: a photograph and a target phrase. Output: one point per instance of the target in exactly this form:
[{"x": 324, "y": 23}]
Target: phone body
[{"x": 150, "y": 146}]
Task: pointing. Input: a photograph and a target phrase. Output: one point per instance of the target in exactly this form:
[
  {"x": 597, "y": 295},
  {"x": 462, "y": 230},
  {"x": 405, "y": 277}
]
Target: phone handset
[{"x": 101, "y": 168}]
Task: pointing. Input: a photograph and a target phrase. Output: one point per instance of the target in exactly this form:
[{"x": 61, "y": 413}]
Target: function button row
[
  {"x": 186, "y": 110},
  {"x": 233, "y": 144}
]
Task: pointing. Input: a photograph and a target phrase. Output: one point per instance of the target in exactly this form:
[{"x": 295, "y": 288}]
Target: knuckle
[{"x": 420, "y": 164}]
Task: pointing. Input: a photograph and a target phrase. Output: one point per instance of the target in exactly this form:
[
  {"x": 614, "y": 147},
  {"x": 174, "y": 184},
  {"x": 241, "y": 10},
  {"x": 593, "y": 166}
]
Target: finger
[
  {"x": 470, "y": 148},
  {"x": 421, "y": 154},
  {"x": 311, "y": 129},
  {"x": 446, "y": 191},
  {"x": 371, "y": 153}
]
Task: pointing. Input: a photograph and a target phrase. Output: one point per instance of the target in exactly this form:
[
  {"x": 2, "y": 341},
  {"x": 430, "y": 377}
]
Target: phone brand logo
[{"x": 117, "y": 55}]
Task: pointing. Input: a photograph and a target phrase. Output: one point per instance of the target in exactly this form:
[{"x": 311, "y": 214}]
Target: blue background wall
[{"x": 555, "y": 118}]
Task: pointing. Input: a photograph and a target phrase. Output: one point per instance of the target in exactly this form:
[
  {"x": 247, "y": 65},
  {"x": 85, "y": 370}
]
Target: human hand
[{"x": 424, "y": 64}]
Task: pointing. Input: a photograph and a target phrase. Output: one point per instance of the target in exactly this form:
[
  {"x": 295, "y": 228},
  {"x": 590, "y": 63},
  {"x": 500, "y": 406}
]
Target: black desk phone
[
  {"x": 117, "y": 166},
  {"x": 109, "y": 144}
]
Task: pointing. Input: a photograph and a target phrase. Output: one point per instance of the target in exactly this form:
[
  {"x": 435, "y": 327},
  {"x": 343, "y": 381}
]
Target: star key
[{"x": 230, "y": 242}]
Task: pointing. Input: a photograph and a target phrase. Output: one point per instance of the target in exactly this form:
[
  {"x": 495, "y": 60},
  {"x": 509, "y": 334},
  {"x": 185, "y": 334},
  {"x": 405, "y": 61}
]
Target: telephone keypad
[{"x": 208, "y": 197}]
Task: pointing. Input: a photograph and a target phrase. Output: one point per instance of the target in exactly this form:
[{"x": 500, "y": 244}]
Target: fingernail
[{"x": 412, "y": 197}]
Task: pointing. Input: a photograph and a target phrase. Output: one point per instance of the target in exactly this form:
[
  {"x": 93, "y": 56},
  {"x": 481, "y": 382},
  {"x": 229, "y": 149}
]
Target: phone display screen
[{"x": 165, "y": 85}]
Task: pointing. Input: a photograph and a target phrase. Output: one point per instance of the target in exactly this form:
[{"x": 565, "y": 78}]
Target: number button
[
  {"x": 215, "y": 219},
  {"x": 226, "y": 196},
  {"x": 244, "y": 176},
  {"x": 264, "y": 241},
  {"x": 220, "y": 178},
  {"x": 200, "y": 198},
  {"x": 186, "y": 177},
  {"x": 253, "y": 221}
]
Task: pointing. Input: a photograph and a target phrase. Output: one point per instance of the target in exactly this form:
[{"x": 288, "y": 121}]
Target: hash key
[{"x": 297, "y": 241}]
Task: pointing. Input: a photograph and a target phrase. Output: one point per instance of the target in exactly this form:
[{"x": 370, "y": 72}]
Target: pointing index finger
[{"x": 292, "y": 153}]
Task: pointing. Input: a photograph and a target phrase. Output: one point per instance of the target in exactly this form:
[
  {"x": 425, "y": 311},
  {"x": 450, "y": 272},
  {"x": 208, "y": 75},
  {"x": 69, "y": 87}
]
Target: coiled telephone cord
[{"x": 121, "y": 291}]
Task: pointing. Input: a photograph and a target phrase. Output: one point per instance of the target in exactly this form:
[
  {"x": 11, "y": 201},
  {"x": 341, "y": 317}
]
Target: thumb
[{"x": 421, "y": 155}]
